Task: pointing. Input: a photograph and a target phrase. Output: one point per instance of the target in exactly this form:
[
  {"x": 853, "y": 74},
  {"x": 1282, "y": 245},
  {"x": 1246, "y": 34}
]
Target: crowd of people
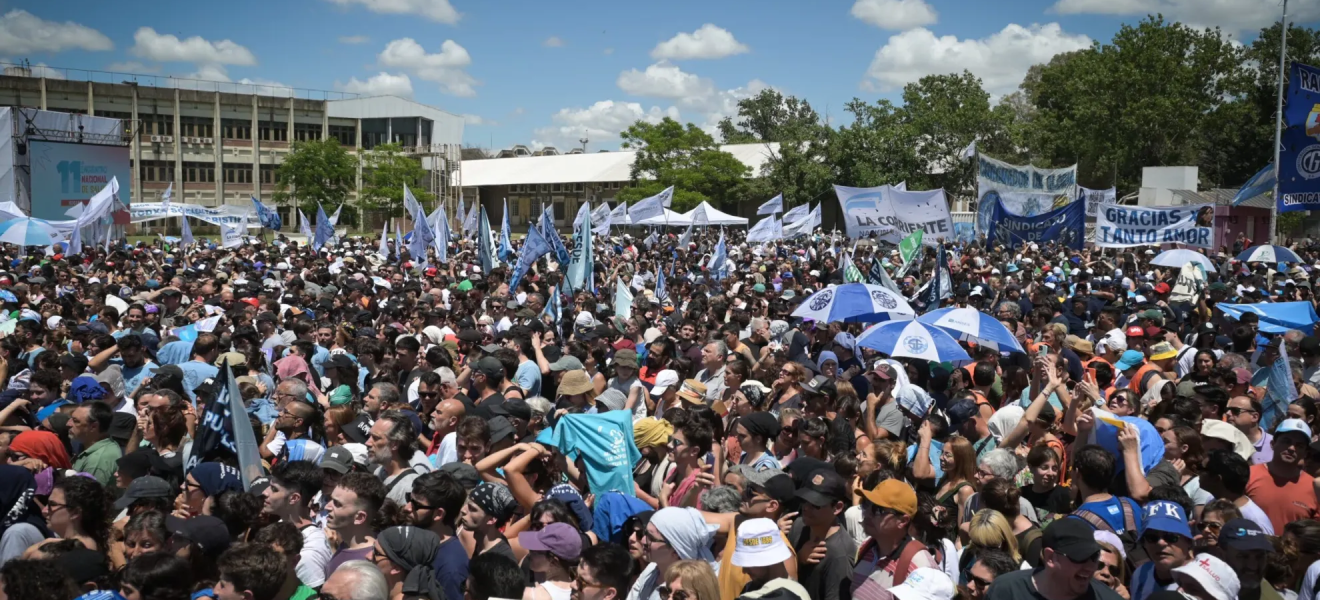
[{"x": 424, "y": 431}]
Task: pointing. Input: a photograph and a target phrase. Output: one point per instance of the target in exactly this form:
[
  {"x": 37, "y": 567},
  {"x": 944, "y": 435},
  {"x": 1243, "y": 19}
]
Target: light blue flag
[
  {"x": 410, "y": 203},
  {"x": 485, "y": 254},
  {"x": 269, "y": 219},
  {"x": 398, "y": 240},
  {"x": 534, "y": 246},
  {"x": 578, "y": 274},
  {"x": 772, "y": 206},
  {"x": 470, "y": 220},
  {"x": 324, "y": 230},
  {"x": 187, "y": 333},
  {"x": 1279, "y": 391},
  {"x": 305, "y": 226},
  {"x": 552, "y": 235},
  {"x": 554, "y": 309},
  {"x": 661, "y": 292},
  {"x": 422, "y": 238},
  {"x": 441, "y": 229},
  {"x": 462, "y": 211},
  {"x": 603, "y": 226},
  {"x": 718, "y": 258},
  {"x": 623, "y": 300},
  {"x": 187, "y": 232},
  {"x": 384, "y": 249},
  {"x": 506, "y": 247},
  {"x": 1260, "y": 183}
]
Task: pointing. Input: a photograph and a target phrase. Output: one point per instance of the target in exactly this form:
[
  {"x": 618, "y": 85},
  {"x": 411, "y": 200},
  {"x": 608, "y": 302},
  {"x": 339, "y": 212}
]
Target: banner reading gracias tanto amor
[{"x": 1118, "y": 226}]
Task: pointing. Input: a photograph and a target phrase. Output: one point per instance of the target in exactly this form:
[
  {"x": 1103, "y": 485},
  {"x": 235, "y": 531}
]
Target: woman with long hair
[
  {"x": 1182, "y": 447},
  {"x": 554, "y": 553},
  {"x": 79, "y": 508},
  {"x": 165, "y": 428},
  {"x": 933, "y": 526},
  {"x": 690, "y": 580},
  {"x": 848, "y": 406},
  {"x": 336, "y": 418},
  {"x": 1203, "y": 367},
  {"x": 958, "y": 461},
  {"x": 990, "y": 529},
  {"x": 787, "y": 389}
]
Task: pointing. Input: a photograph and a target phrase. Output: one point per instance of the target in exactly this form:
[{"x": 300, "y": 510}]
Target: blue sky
[{"x": 546, "y": 73}]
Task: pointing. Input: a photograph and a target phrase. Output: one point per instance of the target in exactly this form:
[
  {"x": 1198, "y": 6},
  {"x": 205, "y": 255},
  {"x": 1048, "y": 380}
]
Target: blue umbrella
[
  {"x": 912, "y": 339},
  {"x": 29, "y": 232},
  {"x": 1268, "y": 254},
  {"x": 975, "y": 326},
  {"x": 8, "y": 296},
  {"x": 855, "y": 303}
]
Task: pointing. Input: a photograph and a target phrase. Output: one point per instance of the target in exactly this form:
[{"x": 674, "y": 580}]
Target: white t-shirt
[
  {"x": 1252, "y": 512},
  {"x": 1307, "y": 591},
  {"x": 315, "y": 555},
  {"x": 448, "y": 450}
]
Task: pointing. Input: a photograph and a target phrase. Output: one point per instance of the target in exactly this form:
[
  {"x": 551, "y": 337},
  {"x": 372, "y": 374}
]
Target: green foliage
[
  {"x": 315, "y": 172},
  {"x": 1291, "y": 222},
  {"x": 385, "y": 170},
  {"x": 798, "y": 168},
  {"x": 688, "y": 159}
]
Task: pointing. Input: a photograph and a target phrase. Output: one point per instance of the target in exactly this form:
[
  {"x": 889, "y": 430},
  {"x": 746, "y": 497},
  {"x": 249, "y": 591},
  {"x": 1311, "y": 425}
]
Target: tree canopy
[
  {"x": 385, "y": 170},
  {"x": 685, "y": 157},
  {"x": 315, "y": 172}
]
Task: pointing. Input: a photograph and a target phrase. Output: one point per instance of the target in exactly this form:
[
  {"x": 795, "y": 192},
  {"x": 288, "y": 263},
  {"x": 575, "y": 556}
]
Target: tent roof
[
  {"x": 598, "y": 167},
  {"x": 670, "y": 218},
  {"x": 713, "y": 216}
]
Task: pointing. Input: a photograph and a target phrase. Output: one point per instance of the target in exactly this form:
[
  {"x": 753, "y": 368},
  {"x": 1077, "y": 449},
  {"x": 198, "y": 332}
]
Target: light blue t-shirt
[
  {"x": 133, "y": 377},
  {"x": 528, "y": 377},
  {"x": 605, "y": 443},
  {"x": 936, "y": 448},
  {"x": 318, "y": 360},
  {"x": 194, "y": 373}
]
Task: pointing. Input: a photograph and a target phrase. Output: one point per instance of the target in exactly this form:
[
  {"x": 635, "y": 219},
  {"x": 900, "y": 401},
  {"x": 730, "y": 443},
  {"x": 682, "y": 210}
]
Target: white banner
[
  {"x": 1026, "y": 191},
  {"x": 1118, "y": 226},
  {"x": 226, "y": 214},
  {"x": 796, "y": 214},
  {"x": 892, "y": 214},
  {"x": 766, "y": 230},
  {"x": 1095, "y": 198},
  {"x": 231, "y": 236}
]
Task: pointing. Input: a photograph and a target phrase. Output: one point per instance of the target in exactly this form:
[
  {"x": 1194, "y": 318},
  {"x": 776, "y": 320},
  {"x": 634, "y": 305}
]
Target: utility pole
[{"x": 1278, "y": 128}]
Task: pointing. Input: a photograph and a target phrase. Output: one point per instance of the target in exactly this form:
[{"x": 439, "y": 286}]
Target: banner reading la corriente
[
  {"x": 1299, "y": 160},
  {"x": 1118, "y": 226},
  {"x": 221, "y": 215},
  {"x": 891, "y": 214},
  {"x": 1026, "y": 191},
  {"x": 1065, "y": 226}
]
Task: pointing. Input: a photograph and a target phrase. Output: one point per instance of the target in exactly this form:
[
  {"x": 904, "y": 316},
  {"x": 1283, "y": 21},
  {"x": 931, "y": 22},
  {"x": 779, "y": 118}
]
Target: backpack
[
  {"x": 1129, "y": 535},
  {"x": 904, "y": 566}
]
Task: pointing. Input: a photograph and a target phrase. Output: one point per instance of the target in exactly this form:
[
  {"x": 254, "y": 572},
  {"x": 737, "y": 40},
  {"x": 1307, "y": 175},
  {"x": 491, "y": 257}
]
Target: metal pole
[{"x": 1278, "y": 126}]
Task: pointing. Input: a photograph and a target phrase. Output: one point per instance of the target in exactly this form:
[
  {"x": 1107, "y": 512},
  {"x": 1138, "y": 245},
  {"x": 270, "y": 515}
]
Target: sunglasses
[
  {"x": 668, "y": 594},
  {"x": 1237, "y": 410},
  {"x": 1154, "y": 537}
]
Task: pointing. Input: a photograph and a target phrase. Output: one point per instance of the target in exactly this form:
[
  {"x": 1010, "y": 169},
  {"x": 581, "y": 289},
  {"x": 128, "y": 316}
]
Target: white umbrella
[
  {"x": 1181, "y": 256},
  {"x": 29, "y": 232},
  {"x": 855, "y": 303}
]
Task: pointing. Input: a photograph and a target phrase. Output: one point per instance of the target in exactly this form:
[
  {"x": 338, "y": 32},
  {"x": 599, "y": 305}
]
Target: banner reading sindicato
[{"x": 1119, "y": 226}]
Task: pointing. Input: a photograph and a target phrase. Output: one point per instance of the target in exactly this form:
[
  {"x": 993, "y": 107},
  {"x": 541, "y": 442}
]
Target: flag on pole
[
  {"x": 851, "y": 274},
  {"x": 270, "y": 219},
  {"x": 165, "y": 199},
  {"x": 552, "y": 235},
  {"x": 485, "y": 254},
  {"x": 1260, "y": 183},
  {"x": 772, "y": 206},
  {"x": 554, "y": 308},
  {"x": 620, "y": 213},
  {"x": 797, "y": 213},
  {"x": 623, "y": 300},
  {"x": 187, "y": 232},
  {"x": 534, "y": 246},
  {"x": 1279, "y": 390},
  {"x": 765, "y": 230},
  {"x": 441, "y": 230},
  {"x": 470, "y": 221},
  {"x": 803, "y": 226},
  {"x": 600, "y": 213},
  {"x": 909, "y": 248},
  {"x": 384, "y": 249},
  {"x": 879, "y": 276},
  {"x": 651, "y": 207},
  {"x": 686, "y": 238},
  {"x": 410, "y": 204},
  {"x": 334, "y": 219},
  {"x": 324, "y": 230},
  {"x": 604, "y": 227},
  {"x": 969, "y": 151},
  {"x": 305, "y": 226},
  {"x": 398, "y": 239},
  {"x": 462, "y": 212},
  {"x": 231, "y": 236},
  {"x": 580, "y": 265},
  {"x": 661, "y": 292},
  {"x": 939, "y": 287},
  {"x": 506, "y": 247},
  {"x": 651, "y": 239},
  {"x": 224, "y": 432},
  {"x": 718, "y": 258},
  {"x": 422, "y": 237}
]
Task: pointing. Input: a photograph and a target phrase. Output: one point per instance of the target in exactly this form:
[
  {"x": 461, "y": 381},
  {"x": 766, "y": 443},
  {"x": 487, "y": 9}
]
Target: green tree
[
  {"x": 796, "y": 167},
  {"x": 948, "y": 112},
  {"x": 877, "y": 148},
  {"x": 688, "y": 159},
  {"x": 315, "y": 172},
  {"x": 385, "y": 170}
]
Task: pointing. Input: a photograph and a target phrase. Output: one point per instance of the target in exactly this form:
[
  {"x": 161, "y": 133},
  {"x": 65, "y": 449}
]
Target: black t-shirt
[
  {"x": 482, "y": 409},
  {"x": 1056, "y": 501},
  {"x": 1019, "y": 585}
]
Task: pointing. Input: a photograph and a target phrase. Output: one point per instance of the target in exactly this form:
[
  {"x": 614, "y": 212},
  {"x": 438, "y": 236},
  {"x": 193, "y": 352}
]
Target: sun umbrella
[
  {"x": 970, "y": 325},
  {"x": 912, "y": 339},
  {"x": 8, "y": 296},
  {"x": 1177, "y": 258},
  {"x": 29, "y": 232},
  {"x": 1268, "y": 254},
  {"x": 855, "y": 303}
]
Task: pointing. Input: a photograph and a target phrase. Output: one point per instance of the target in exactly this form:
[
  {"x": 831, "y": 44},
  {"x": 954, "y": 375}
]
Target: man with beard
[
  {"x": 352, "y": 513},
  {"x": 1280, "y": 487},
  {"x": 1167, "y": 540},
  {"x": 436, "y": 503},
  {"x": 293, "y": 483},
  {"x": 132, "y": 358},
  {"x": 390, "y": 449},
  {"x": 1069, "y": 560},
  {"x": 443, "y": 445}
]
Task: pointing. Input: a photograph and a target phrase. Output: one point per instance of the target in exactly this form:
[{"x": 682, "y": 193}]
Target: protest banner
[
  {"x": 227, "y": 214},
  {"x": 1119, "y": 226},
  {"x": 1026, "y": 191},
  {"x": 1094, "y": 199},
  {"x": 891, "y": 214},
  {"x": 1299, "y": 159},
  {"x": 1064, "y": 226}
]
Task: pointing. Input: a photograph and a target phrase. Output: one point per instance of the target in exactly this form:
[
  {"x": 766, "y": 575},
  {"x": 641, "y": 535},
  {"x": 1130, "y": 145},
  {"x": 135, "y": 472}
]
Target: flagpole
[{"x": 1278, "y": 124}]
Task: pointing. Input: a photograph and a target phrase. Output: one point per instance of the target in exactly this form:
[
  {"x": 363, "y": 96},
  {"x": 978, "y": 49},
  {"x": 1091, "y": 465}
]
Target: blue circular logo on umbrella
[
  {"x": 883, "y": 300},
  {"x": 821, "y": 299},
  {"x": 915, "y": 344}
]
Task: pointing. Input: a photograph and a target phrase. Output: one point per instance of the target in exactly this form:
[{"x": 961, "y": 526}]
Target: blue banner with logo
[
  {"x": 1299, "y": 162},
  {"x": 1065, "y": 226}
]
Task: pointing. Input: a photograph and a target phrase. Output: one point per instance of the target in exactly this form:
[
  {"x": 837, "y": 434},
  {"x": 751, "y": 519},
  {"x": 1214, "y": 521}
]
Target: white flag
[
  {"x": 623, "y": 300},
  {"x": 231, "y": 236},
  {"x": 969, "y": 151},
  {"x": 686, "y": 238},
  {"x": 651, "y": 207},
  {"x": 187, "y": 233},
  {"x": 384, "y": 249},
  {"x": 165, "y": 199},
  {"x": 772, "y": 206},
  {"x": 798, "y": 212}
]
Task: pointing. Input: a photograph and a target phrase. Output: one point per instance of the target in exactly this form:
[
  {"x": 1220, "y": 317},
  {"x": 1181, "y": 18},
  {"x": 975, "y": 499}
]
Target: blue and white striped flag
[
  {"x": 661, "y": 291},
  {"x": 506, "y": 247},
  {"x": 1279, "y": 391}
]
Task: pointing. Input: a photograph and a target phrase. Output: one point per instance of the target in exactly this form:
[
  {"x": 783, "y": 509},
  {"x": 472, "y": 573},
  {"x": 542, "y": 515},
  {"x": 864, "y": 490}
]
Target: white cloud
[
  {"x": 210, "y": 72},
  {"x": 600, "y": 122},
  {"x": 708, "y": 42},
  {"x": 444, "y": 68},
  {"x": 354, "y": 39},
  {"x": 440, "y": 11},
  {"x": 131, "y": 66},
  {"x": 478, "y": 120},
  {"x": 381, "y": 84},
  {"x": 41, "y": 70},
  {"x": 1234, "y": 16},
  {"x": 553, "y": 42},
  {"x": 22, "y": 32},
  {"x": 899, "y": 15},
  {"x": 608, "y": 51},
  {"x": 168, "y": 48},
  {"x": 517, "y": 112},
  {"x": 1000, "y": 60},
  {"x": 664, "y": 80}
]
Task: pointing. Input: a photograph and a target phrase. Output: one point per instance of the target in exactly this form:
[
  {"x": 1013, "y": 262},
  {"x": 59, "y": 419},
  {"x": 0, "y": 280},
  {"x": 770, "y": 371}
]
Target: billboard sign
[{"x": 66, "y": 175}]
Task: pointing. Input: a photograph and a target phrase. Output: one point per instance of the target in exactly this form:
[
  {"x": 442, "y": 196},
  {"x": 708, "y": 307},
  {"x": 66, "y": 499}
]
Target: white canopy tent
[
  {"x": 670, "y": 218},
  {"x": 705, "y": 214}
]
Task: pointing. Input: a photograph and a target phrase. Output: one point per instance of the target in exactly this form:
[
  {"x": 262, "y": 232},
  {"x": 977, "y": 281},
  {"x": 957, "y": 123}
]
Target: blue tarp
[{"x": 1276, "y": 317}]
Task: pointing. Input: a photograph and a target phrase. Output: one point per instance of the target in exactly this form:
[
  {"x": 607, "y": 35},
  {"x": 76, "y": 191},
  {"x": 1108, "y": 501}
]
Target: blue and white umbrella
[
  {"x": 855, "y": 303},
  {"x": 970, "y": 325},
  {"x": 8, "y": 296},
  {"x": 1181, "y": 256},
  {"x": 912, "y": 339},
  {"x": 29, "y": 232},
  {"x": 1269, "y": 254}
]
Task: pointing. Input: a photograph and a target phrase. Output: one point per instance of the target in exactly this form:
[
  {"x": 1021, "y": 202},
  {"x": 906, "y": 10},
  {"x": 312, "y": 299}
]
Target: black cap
[
  {"x": 490, "y": 367},
  {"x": 469, "y": 335},
  {"x": 358, "y": 429},
  {"x": 465, "y": 473},
  {"x": 816, "y": 385},
  {"x": 781, "y": 488},
  {"x": 206, "y": 531},
  {"x": 1073, "y": 538},
  {"x": 339, "y": 361},
  {"x": 517, "y": 408},
  {"x": 1309, "y": 346},
  {"x": 1243, "y": 534},
  {"x": 959, "y": 412},
  {"x": 500, "y": 428},
  {"x": 824, "y": 487},
  {"x": 74, "y": 362}
]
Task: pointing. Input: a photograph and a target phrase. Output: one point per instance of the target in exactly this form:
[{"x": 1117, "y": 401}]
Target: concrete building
[
  {"x": 566, "y": 181},
  {"x": 220, "y": 143}
]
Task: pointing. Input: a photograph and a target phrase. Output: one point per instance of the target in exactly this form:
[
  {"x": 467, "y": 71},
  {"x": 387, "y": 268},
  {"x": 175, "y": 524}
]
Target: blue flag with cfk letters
[
  {"x": 1299, "y": 159},
  {"x": 534, "y": 247},
  {"x": 1065, "y": 226}
]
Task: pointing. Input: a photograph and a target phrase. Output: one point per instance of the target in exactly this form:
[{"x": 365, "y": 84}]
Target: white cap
[
  {"x": 1220, "y": 430},
  {"x": 663, "y": 381},
  {"x": 924, "y": 584},
  {"x": 1213, "y": 575},
  {"x": 585, "y": 319},
  {"x": 1289, "y": 425},
  {"x": 759, "y": 544},
  {"x": 53, "y": 322}
]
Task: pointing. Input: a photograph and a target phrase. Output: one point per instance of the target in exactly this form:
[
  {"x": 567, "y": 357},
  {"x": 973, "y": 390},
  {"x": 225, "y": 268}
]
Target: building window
[
  {"x": 158, "y": 125},
  {"x": 237, "y": 129},
  {"x": 273, "y": 131},
  {"x": 268, "y": 176},
  {"x": 196, "y": 127},
  {"x": 556, "y": 188},
  {"x": 577, "y": 187},
  {"x": 160, "y": 171},
  {"x": 195, "y": 172},
  {"x": 238, "y": 174},
  {"x": 306, "y": 132},
  {"x": 346, "y": 134}
]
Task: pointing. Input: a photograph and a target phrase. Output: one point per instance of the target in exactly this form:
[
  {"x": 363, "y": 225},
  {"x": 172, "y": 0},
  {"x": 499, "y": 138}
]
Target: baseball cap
[
  {"x": 1073, "y": 538},
  {"x": 464, "y": 473},
  {"x": 816, "y": 385},
  {"x": 338, "y": 459},
  {"x": 235, "y": 359},
  {"x": 1244, "y": 534},
  {"x": 559, "y": 539},
  {"x": 206, "y": 531},
  {"x": 894, "y": 495},
  {"x": 1135, "y": 331},
  {"x": 500, "y": 428},
  {"x": 924, "y": 584},
  {"x": 1291, "y": 426},
  {"x": 1169, "y": 517},
  {"x": 824, "y": 487},
  {"x": 567, "y": 363},
  {"x": 148, "y": 486},
  {"x": 1130, "y": 358},
  {"x": 1214, "y": 576},
  {"x": 490, "y": 367},
  {"x": 759, "y": 544},
  {"x": 960, "y": 412},
  {"x": 663, "y": 381}
]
